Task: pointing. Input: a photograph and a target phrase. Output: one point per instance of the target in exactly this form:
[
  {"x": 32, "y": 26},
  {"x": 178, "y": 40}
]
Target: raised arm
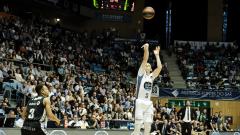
[
  {"x": 50, "y": 115},
  {"x": 145, "y": 58},
  {"x": 159, "y": 65}
]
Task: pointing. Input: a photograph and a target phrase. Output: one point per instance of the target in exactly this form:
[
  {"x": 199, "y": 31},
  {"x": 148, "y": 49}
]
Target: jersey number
[
  {"x": 147, "y": 86},
  {"x": 31, "y": 113}
]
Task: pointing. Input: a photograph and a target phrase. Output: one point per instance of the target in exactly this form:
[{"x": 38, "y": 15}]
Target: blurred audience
[
  {"x": 91, "y": 76},
  {"x": 207, "y": 65}
]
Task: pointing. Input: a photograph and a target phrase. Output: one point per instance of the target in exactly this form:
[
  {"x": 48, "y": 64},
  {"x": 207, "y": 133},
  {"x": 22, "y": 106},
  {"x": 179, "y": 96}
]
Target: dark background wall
[
  {"x": 156, "y": 27},
  {"x": 189, "y": 19},
  {"x": 215, "y": 20},
  {"x": 86, "y": 20},
  {"x": 199, "y": 20},
  {"x": 233, "y": 32}
]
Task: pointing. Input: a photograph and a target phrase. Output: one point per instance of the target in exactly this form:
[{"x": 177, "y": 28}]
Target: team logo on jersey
[
  {"x": 38, "y": 102},
  {"x": 147, "y": 85}
]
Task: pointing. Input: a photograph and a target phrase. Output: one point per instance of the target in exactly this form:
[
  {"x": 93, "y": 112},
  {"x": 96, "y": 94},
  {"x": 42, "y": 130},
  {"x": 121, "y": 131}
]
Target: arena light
[{"x": 58, "y": 19}]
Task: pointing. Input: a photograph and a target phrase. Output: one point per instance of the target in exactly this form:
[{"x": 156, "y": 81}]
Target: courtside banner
[{"x": 200, "y": 94}]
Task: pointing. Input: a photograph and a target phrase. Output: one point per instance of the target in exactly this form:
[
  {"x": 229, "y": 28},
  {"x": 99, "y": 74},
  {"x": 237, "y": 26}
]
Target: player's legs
[
  {"x": 137, "y": 127},
  {"x": 138, "y": 117},
  {"x": 42, "y": 132},
  {"x": 147, "y": 126},
  {"x": 33, "y": 128},
  {"x": 148, "y": 118},
  {"x": 25, "y": 132}
]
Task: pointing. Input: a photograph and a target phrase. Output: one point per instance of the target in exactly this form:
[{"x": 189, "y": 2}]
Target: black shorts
[{"x": 33, "y": 128}]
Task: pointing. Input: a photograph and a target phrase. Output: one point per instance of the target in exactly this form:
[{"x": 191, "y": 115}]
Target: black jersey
[{"x": 36, "y": 109}]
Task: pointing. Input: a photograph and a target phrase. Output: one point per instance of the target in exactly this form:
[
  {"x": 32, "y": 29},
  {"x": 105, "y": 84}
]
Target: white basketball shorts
[{"x": 144, "y": 110}]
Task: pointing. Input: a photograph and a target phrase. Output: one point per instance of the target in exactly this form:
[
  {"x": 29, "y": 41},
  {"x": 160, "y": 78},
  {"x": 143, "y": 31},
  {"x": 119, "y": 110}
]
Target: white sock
[
  {"x": 137, "y": 127},
  {"x": 147, "y": 128}
]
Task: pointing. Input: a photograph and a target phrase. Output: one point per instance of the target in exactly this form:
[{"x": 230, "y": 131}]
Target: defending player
[{"x": 37, "y": 111}]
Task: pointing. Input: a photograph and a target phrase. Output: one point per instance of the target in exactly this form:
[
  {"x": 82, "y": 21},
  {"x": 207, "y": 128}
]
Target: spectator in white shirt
[
  {"x": 63, "y": 99},
  {"x": 38, "y": 72},
  {"x": 18, "y": 56},
  {"x": 75, "y": 122},
  {"x": 18, "y": 123},
  {"x": 30, "y": 76},
  {"x": 84, "y": 123},
  {"x": 18, "y": 76},
  {"x": 82, "y": 109}
]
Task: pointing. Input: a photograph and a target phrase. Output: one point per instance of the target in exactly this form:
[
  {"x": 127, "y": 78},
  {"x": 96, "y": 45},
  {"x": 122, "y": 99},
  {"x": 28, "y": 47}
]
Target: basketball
[{"x": 148, "y": 13}]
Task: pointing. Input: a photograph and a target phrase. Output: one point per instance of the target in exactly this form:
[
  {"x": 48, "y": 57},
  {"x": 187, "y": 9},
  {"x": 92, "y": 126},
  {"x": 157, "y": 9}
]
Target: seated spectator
[
  {"x": 18, "y": 76},
  {"x": 6, "y": 103},
  {"x": 84, "y": 123},
  {"x": 214, "y": 120},
  {"x": 19, "y": 123},
  {"x": 65, "y": 121},
  {"x": 82, "y": 109},
  {"x": 30, "y": 76},
  {"x": 165, "y": 128},
  {"x": 179, "y": 129},
  {"x": 75, "y": 122},
  {"x": 102, "y": 122},
  {"x": 156, "y": 127},
  {"x": 128, "y": 115},
  {"x": 10, "y": 119},
  {"x": 199, "y": 130},
  {"x": 10, "y": 77},
  {"x": 226, "y": 126},
  {"x": 172, "y": 127},
  {"x": 203, "y": 117},
  {"x": 93, "y": 123},
  {"x": 11, "y": 114}
]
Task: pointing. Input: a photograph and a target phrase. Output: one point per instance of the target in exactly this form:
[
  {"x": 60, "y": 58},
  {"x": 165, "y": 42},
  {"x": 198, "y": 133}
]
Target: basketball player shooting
[{"x": 144, "y": 105}]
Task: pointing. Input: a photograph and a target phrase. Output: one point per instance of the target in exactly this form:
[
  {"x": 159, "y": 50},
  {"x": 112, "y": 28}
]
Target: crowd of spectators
[
  {"x": 90, "y": 76},
  {"x": 167, "y": 121},
  {"x": 209, "y": 65}
]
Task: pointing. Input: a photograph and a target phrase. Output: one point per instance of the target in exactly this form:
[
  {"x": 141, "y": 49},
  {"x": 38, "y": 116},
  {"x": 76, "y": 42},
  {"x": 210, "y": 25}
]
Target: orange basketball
[{"x": 148, "y": 13}]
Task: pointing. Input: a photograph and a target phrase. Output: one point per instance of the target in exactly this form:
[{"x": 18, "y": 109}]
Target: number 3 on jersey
[{"x": 31, "y": 113}]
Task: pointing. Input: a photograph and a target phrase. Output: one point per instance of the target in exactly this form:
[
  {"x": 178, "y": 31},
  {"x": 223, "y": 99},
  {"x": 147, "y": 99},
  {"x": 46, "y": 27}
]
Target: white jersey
[{"x": 144, "y": 86}]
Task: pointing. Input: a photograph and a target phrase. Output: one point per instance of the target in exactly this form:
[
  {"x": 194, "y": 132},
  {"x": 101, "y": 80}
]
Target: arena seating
[
  {"x": 90, "y": 74},
  {"x": 211, "y": 65},
  {"x": 77, "y": 67}
]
